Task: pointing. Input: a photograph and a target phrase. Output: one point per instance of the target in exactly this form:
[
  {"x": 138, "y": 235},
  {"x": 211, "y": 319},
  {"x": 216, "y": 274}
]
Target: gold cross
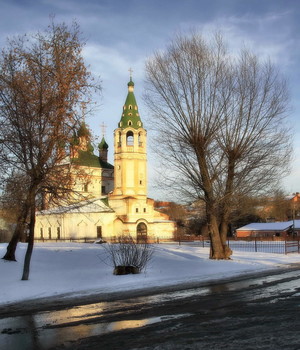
[
  {"x": 103, "y": 128},
  {"x": 130, "y": 72}
]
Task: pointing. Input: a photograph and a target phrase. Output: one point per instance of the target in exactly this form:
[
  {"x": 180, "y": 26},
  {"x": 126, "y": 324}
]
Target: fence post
[{"x": 285, "y": 246}]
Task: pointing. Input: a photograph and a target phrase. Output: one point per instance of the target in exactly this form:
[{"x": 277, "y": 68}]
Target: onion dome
[{"x": 103, "y": 145}]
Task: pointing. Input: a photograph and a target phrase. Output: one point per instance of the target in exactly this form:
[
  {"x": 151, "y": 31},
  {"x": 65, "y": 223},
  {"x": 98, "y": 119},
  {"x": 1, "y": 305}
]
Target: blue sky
[{"x": 124, "y": 33}]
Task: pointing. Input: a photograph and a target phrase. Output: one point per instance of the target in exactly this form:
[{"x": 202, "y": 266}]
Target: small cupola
[
  {"x": 81, "y": 141},
  {"x": 103, "y": 149}
]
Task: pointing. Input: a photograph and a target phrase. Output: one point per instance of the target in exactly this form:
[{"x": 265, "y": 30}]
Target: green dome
[
  {"x": 83, "y": 131},
  {"x": 131, "y": 83},
  {"x": 103, "y": 144},
  {"x": 130, "y": 116}
]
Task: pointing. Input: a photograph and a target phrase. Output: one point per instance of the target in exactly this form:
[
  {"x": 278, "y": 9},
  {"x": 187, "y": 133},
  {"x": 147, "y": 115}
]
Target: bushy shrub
[{"x": 126, "y": 256}]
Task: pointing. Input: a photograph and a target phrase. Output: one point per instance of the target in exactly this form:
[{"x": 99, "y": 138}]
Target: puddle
[
  {"x": 44, "y": 338},
  {"x": 44, "y": 330}
]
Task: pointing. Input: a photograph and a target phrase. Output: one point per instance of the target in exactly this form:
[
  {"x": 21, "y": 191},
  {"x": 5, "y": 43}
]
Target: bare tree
[
  {"x": 44, "y": 83},
  {"x": 221, "y": 125}
]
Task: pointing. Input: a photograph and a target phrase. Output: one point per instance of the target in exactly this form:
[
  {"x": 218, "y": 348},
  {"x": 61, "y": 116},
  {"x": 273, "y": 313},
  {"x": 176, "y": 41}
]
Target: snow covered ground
[{"x": 58, "y": 268}]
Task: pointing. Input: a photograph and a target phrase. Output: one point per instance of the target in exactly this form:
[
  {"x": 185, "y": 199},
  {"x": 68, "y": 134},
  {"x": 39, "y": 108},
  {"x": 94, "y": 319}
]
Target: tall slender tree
[
  {"x": 44, "y": 84},
  {"x": 220, "y": 120}
]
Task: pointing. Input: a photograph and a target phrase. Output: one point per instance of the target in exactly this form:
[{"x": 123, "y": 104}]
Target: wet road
[{"x": 261, "y": 312}]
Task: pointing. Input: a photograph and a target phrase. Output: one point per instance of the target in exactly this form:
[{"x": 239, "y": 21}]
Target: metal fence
[
  {"x": 253, "y": 244},
  {"x": 277, "y": 245}
]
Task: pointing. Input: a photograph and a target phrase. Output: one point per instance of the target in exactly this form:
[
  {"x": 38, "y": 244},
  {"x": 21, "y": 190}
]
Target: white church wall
[{"x": 74, "y": 226}]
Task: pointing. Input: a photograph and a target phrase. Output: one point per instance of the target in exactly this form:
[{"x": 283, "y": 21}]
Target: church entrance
[{"x": 141, "y": 233}]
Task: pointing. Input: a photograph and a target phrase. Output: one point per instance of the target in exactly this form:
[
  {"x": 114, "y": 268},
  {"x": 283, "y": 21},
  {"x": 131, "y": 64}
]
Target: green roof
[
  {"x": 130, "y": 116},
  {"x": 103, "y": 144},
  {"x": 105, "y": 201},
  {"x": 86, "y": 158}
]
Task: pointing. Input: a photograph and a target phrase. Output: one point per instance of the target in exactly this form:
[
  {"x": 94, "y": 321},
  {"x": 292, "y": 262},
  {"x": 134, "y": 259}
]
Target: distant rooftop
[{"x": 270, "y": 226}]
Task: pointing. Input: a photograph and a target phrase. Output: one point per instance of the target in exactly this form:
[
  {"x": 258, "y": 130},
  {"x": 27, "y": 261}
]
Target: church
[{"x": 111, "y": 200}]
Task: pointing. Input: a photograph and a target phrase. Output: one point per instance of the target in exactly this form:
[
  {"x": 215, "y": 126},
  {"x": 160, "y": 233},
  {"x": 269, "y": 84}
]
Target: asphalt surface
[{"x": 250, "y": 312}]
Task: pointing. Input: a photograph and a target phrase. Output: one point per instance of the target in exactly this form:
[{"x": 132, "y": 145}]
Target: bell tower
[{"x": 130, "y": 155}]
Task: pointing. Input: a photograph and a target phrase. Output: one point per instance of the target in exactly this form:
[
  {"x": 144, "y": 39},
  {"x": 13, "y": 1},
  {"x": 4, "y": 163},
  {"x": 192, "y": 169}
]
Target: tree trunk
[
  {"x": 26, "y": 267},
  {"x": 216, "y": 246},
  {"x": 226, "y": 204},
  {"x": 17, "y": 235},
  {"x": 12, "y": 246},
  {"x": 223, "y": 235}
]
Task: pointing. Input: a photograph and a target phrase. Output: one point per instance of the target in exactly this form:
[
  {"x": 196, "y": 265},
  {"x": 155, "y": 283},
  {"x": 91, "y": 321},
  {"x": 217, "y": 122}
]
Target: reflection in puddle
[{"x": 45, "y": 338}]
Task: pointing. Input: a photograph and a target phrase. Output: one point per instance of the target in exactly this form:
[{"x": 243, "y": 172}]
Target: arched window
[
  {"x": 140, "y": 140},
  {"x": 129, "y": 138},
  {"x": 119, "y": 140}
]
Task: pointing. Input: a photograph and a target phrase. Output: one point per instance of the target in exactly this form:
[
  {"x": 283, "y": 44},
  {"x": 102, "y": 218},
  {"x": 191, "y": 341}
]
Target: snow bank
[{"x": 58, "y": 268}]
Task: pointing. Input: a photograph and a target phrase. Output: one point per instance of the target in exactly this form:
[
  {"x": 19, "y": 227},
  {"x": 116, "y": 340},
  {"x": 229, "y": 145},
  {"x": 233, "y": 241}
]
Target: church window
[
  {"x": 135, "y": 107},
  {"x": 140, "y": 139},
  {"x": 99, "y": 231},
  {"x": 103, "y": 190},
  {"x": 130, "y": 114},
  {"x": 41, "y": 233},
  {"x": 130, "y": 106},
  {"x": 49, "y": 232},
  {"x": 139, "y": 123},
  {"x": 58, "y": 233},
  {"x": 130, "y": 123},
  {"x": 144, "y": 210},
  {"x": 120, "y": 139},
  {"x": 136, "y": 210},
  {"x": 141, "y": 182},
  {"x": 129, "y": 138},
  {"x": 86, "y": 187}
]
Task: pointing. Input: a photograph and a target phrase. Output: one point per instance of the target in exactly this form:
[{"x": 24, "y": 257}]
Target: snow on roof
[
  {"x": 297, "y": 223},
  {"x": 162, "y": 221},
  {"x": 89, "y": 206},
  {"x": 268, "y": 226}
]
